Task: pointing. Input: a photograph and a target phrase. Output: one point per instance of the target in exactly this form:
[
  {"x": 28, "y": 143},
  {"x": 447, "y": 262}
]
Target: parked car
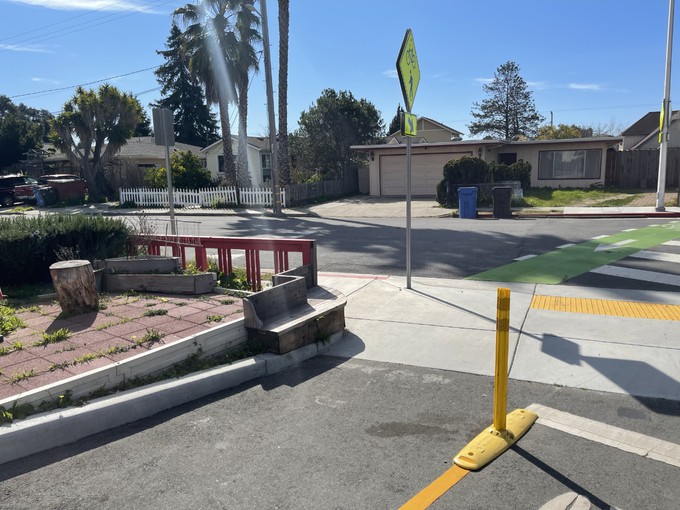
[{"x": 17, "y": 188}]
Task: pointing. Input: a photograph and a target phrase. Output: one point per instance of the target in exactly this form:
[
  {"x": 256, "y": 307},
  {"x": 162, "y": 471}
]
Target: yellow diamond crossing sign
[
  {"x": 408, "y": 69},
  {"x": 409, "y": 124}
]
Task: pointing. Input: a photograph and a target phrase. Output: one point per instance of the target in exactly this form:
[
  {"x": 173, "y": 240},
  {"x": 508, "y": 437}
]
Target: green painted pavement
[{"x": 560, "y": 265}]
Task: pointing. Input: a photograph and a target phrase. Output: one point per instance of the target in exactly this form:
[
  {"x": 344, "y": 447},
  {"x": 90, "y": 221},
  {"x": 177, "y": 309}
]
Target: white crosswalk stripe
[
  {"x": 639, "y": 274},
  {"x": 657, "y": 255}
]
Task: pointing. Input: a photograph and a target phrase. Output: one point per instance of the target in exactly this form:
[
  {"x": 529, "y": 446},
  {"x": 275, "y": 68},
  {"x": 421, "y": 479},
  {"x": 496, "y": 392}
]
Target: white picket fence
[{"x": 204, "y": 197}]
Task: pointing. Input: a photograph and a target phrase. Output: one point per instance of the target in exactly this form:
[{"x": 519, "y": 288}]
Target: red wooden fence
[{"x": 222, "y": 248}]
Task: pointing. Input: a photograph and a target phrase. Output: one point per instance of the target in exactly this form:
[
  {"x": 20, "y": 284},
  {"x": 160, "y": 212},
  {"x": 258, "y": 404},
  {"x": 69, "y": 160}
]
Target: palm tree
[
  {"x": 244, "y": 58},
  {"x": 208, "y": 37},
  {"x": 283, "y": 160}
]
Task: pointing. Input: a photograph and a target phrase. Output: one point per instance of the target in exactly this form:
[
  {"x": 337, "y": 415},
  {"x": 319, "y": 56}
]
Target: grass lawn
[{"x": 565, "y": 197}]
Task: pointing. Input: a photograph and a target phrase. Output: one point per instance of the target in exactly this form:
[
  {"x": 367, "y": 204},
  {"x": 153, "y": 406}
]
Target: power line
[
  {"x": 60, "y": 21},
  {"x": 49, "y": 91},
  {"x": 30, "y": 41}
]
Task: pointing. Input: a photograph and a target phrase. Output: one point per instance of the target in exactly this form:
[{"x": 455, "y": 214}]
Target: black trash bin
[{"x": 502, "y": 199}]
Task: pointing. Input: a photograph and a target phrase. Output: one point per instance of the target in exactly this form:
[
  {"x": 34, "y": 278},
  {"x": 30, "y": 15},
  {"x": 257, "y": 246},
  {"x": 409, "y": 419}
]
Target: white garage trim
[{"x": 426, "y": 173}]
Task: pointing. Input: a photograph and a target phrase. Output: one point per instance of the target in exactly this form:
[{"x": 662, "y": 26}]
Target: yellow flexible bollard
[
  {"x": 506, "y": 429},
  {"x": 500, "y": 388}
]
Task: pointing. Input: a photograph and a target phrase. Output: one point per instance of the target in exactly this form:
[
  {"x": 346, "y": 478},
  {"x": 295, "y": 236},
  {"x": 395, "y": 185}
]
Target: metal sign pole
[
  {"x": 408, "y": 71},
  {"x": 164, "y": 131},
  {"x": 408, "y": 212},
  {"x": 171, "y": 200}
]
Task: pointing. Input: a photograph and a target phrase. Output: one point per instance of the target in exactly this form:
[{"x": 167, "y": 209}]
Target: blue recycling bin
[{"x": 467, "y": 202}]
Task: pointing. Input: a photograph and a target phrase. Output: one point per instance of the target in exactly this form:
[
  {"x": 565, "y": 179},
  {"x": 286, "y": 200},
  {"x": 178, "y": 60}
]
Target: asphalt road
[
  {"x": 335, "y": 434},
  {"x": 441, "y": 247}
]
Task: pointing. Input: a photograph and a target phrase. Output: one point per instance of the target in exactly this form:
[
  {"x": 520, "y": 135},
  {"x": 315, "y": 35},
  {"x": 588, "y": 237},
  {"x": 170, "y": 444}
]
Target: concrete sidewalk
[
  {"x": 360, "y": 206},
  {"x": 450, "y": 325}
]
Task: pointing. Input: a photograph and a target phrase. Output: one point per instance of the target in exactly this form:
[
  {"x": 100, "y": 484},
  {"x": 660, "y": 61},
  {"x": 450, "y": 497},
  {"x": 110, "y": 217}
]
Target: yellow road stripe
[
  {"x": 607, "y": 307},
  {"x": 432, "y": 492}
]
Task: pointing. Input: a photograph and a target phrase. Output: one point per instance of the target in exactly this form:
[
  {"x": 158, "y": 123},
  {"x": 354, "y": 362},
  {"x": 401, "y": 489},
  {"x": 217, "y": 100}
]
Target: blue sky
[{"x": 590, "y": 62}]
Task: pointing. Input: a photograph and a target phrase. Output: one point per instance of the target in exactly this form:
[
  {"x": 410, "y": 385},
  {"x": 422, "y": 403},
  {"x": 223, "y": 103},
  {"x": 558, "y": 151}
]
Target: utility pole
[
  {"x": 666, "y": 114},
  {"x": 276, "y": 186}
]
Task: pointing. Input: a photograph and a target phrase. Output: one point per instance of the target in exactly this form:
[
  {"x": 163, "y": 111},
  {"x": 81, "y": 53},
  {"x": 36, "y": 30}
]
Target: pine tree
[
  {"x": 509, "y": 111},
  {"x": 395, "y": 125},
  {"x": 144, "y": 126},
  {"x": 182, "y": 94}
]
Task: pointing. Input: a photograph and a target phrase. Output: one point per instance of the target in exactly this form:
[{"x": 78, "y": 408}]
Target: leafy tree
[
  {"x": 21, "y": 128},
  {"x": 206, "y": 42},
  {"x": 327, "y": 130},
  {"x": 187, "y": 173},
  {"x": 610, "y": 128},
  {"x": 562, "y": 131},
  {"x": 182, "y": 94},
  {"x": 143, "y": 128},
  {"x": 91, "y": 130},
  {"x": 35, "y": 116},
  {"x": 509, "y": 111},
  {"x": 395, "y": 125},
  {"x": 17, "y": 136},
  {"x": 283, "y": 156}
]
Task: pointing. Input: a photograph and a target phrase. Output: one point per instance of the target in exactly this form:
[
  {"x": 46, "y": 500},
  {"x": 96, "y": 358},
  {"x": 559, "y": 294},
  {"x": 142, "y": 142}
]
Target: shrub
[
  {"x": 470, "y": 171},
  {"x": 519, "y": 171},
  {"x": 460, "y": 172},
  {"x": 28, "y": 246},
  {"x": 187, "y": 173}
]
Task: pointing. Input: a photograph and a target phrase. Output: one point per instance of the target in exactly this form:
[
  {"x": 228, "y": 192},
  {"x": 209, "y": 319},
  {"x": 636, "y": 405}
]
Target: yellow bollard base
[{"x": 491, "y": 442}]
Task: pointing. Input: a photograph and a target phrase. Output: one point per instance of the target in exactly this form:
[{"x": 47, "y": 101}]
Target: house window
[
  {"x": 266, "y": 160},
  {"x": 220, "y": 163},
  {"x": 507, "y": 158},
  {"x": 578, "y": 164}
]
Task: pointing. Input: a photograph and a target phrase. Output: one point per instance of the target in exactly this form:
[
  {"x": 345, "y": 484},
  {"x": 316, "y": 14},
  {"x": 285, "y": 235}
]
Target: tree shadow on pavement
[{"x": 632, "y": 376}]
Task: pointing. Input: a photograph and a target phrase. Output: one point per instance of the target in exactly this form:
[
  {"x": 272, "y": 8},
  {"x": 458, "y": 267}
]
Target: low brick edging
[{"x": 44, "y": 431}]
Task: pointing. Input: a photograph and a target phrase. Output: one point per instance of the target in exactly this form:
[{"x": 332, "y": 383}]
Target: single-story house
[
  {"x": 142, "y": 151},
  {"x": 428, "y": 131},
  {"x": 139, "y": 151},
  {"x": 578, "y": 162},
  {"x": 259, "y": 159},
  {"x": 126, "y": 169},
  {"x": 644, "y": 133}
]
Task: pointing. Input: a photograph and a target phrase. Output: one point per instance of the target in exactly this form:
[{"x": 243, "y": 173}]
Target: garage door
[{"x": 426, "y": 173}]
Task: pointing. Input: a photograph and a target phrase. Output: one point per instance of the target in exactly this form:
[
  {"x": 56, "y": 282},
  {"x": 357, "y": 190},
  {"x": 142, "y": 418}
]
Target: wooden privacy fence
[
  {"x": 220, "y": 250},
  {"x": 640, "y": 169},
  {"x": 204, "y": 197},
  {"x": 348, "y": 185}
]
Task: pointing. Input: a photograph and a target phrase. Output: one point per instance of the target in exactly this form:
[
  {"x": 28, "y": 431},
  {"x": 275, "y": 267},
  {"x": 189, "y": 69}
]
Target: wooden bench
[{"x": 293, "y": 313}]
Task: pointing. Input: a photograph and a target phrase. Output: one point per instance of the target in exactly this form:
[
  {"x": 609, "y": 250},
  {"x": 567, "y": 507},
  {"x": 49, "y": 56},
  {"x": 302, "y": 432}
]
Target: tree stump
[{"x": 75, "y": 286}]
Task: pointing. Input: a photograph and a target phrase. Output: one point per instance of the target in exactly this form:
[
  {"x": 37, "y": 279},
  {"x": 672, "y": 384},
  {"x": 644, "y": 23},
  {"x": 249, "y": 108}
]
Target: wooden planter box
[
  {"x": 164, "y": 283},
  {"x": 140, "y": 264}
]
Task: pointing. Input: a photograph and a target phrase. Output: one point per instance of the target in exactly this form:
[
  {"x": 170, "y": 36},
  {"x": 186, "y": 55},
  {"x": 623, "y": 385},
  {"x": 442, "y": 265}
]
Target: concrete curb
[
  {"x": 210, "y": 342},
  {"x": 57, "y": 428}
]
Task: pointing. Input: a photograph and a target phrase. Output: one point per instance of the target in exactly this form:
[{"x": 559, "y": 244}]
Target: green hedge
[
  {"x": 469, "y": 171},
  {"x": 28, "y": 246}
]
